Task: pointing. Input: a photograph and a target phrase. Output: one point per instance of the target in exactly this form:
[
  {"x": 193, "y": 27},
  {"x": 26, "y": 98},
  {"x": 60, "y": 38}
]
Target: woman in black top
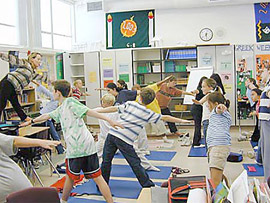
[{"x": 196, "y": 111}]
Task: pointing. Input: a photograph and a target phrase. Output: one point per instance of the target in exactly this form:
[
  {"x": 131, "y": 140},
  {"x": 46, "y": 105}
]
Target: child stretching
[
  {"x": 76, "y": 92},
  {"x": 208, "y": 86},
  {"x": 133, "y": 116},
  {"x": 81, "y": 150},
  {"x": 106, "y": 101},
  {"x": 218, "y": 135}
]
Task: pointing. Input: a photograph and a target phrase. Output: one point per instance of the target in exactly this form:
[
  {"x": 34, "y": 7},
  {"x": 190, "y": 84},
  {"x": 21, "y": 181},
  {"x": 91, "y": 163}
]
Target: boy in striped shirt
[{"x": 133, "y": 116}]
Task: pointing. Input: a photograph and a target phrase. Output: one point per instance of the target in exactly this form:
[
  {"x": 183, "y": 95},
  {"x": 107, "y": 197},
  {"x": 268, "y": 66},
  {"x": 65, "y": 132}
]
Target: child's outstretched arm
[
  {"x": 104, "y": 89},
  {"x": 28, "y": 142},
  {"x": 164, "y": 80},
  {"x": 109, "y": 109},
  {"x": 173, "y": 119},
  {"x": 204, "y": 99},
  {"x": 96, "y": 114},
  {"x": 40, "y": 119}
]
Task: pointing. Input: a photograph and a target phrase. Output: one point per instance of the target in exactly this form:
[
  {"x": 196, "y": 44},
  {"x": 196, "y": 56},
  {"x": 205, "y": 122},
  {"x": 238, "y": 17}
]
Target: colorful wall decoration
[
  {"x": 262, "y": 17},
  {"x": 130, "y": 29}
]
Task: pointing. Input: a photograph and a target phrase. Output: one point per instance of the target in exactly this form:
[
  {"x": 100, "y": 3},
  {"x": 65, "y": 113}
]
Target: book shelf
[
  {"x": 28, "y": 103},
  {"x": 147, "y": 66},
  {"x": 153, "y": 65},
  {"x": 177, "y": 62}
]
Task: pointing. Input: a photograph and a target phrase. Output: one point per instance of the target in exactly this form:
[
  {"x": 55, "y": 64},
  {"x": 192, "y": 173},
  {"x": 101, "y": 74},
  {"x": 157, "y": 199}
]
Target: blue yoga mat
[
  {"x": 119, "y": 188},
  {"x": 154, "y": 156},
  {"x": 259, "y": 170},
  {"x": 82, "y": 200},
  {"x": 197, "y": 152},
  {"x": 126, "y": 171}
]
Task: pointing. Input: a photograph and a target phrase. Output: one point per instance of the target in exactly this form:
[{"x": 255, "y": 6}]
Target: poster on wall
[
  {"x": 130, "y": 29},
  {"x": 262, "y": 18},
  {"x": 262, "y": 64}
]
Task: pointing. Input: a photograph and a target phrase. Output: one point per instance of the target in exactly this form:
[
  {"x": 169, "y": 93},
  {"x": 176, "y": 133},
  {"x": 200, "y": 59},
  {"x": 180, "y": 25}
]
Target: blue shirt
[
  {"x": 248, "y": 93},
  {"x": 218, "y": 131},
  {"x": 52, "y": 105},
  {"x": 125, "y": 95}
]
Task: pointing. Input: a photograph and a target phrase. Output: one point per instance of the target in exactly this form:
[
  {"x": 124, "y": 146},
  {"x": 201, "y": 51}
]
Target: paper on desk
[
  {"x": 195, "y": 195},
  {"x": 239, "y": 190}
]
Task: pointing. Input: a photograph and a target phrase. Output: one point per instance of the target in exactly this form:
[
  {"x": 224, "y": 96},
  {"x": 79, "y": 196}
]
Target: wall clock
[{"x": 206, "y": 34}]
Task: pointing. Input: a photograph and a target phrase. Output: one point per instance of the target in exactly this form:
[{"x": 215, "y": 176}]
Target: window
[
  {"x": 56, "y": 24},
  {"x": 8, "y": 22}
]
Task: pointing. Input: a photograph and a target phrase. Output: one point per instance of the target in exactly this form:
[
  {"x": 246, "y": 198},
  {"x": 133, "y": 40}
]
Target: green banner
[
  {"x": 130, "y": 29},
  {"x": 59, "y": 66}
]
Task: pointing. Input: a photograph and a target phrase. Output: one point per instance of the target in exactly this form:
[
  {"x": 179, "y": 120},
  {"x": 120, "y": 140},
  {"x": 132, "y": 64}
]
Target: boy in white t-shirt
[
  {"x": 81, "y": 153},
  {"x": 133, "y": 116}
]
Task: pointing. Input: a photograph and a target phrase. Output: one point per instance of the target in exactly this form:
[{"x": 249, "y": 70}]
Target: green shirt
[{"x": 79, "y": 140}]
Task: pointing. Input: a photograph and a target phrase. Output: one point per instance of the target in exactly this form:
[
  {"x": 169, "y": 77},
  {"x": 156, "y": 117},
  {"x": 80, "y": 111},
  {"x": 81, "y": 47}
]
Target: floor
[{"x": 196, "y": 165}]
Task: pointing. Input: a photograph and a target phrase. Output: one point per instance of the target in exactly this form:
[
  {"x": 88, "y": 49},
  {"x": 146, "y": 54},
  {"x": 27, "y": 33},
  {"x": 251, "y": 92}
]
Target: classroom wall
[{"x": 179, "y": 26}]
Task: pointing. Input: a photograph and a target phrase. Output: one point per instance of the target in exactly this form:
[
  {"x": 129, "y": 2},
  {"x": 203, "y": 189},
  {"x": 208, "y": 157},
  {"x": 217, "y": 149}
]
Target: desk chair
[
  {"x": 25, "y": 157},
  {"x": 34, "y": 194}
]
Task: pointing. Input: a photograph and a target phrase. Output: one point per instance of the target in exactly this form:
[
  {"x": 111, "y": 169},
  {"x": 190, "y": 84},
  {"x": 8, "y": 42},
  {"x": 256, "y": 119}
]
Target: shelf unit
[
  {"x": 84, "y": 66},
  {"x": 153, "y": 65},
  {"x": 146, "y": 66},
  {"x": 177, "y": 61},
  {"x": 28, "y": 103}
]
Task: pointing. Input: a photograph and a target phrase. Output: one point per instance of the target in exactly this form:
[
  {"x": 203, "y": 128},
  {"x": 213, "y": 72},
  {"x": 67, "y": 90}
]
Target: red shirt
[
  {"x": 76, "y": 93},
  {"x": 165, "y": 94}
]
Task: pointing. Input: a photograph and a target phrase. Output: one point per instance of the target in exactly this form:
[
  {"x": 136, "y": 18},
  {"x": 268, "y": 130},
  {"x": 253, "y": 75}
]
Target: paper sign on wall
[
  {"x": 107, "y": 73},
  {"x": 92, "y": 76},
  {"x": 106, "y": 82},
  {"x": 124, "y": 77},
  {"x": 107, "y": 62},
  {"x": 226, "y": 65},
  {"x": 123, "y": 68}
]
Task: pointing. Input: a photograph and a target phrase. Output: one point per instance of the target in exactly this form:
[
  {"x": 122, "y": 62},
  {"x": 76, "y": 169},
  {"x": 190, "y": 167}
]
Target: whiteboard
[{"x": 194, "y": 79}]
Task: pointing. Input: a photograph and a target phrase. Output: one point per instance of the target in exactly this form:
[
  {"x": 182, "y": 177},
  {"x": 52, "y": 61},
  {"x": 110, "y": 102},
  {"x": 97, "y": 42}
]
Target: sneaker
[
  {"x": 185, "y": 142},
  {"x": 255, "y": 148},
  {"x": 153, "y": 168},
  {"x": 199, "y": 146},
  {"x": 258, "y": 163},
  {"x": 242, "y": 138},
  {"x": 166, "y": 140},
  {"x": 251, "y": 154}
]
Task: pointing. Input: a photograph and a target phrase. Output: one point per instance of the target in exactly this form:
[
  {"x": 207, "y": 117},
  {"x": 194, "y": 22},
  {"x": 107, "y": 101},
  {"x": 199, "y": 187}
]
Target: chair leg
[
  {"x": 51, "y": 164},
  {"x": 35, "y": 173}
]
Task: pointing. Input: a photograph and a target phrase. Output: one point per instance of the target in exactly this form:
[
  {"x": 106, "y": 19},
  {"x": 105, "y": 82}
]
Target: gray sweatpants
[{"x": 265, "y": 147}]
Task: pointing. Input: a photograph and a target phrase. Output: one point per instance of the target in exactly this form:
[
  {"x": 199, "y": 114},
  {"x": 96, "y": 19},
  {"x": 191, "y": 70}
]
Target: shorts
[
  {"x": 217, "y": 156},
  {"x": 88, "y": 164}
]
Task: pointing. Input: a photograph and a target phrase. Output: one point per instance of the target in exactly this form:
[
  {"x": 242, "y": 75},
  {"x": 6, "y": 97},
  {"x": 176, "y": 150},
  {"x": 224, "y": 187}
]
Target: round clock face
[{"x": 206, "y": 34}]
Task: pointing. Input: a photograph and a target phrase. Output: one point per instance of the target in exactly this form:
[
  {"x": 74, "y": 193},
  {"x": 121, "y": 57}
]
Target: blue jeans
[
  {"x": 55, "y": 136},
  {"x": 259, "y": 153},
  {"x": 111, "y": 145},
  {"x": 205, "y": 126}
]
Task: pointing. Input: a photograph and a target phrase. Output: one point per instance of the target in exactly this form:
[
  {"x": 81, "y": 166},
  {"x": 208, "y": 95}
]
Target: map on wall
[
  {"x": 262, "y": 17},
  {"x": 130, "y": 29}
]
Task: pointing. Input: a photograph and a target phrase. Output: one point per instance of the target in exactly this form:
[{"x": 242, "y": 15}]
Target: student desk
[
  {"x": 29, "y": 154},
  {"x": 32, "y": 131}
]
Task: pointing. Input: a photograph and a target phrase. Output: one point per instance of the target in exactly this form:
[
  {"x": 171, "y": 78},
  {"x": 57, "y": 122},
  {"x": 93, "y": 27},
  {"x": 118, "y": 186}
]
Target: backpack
[
  {"x": 9, "y": 129},
  {"x": 235, "y": 157}
]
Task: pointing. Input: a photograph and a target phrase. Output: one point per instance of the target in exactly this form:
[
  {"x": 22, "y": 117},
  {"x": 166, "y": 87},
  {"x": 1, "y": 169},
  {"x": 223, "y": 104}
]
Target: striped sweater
[
  {"x": 22, "y": 76},
  {"x": 218, "y": 131},
  {"x": 264, "y": 109},
  {"x": 133, "y": 117}
]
